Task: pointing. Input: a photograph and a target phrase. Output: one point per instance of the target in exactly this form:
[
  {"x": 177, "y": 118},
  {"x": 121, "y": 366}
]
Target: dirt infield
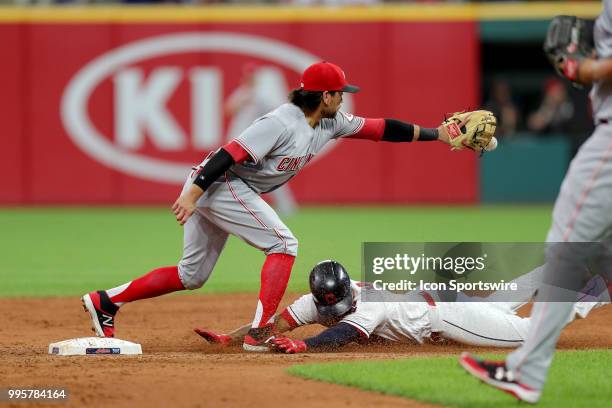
[{"x": 179, "y": 369}]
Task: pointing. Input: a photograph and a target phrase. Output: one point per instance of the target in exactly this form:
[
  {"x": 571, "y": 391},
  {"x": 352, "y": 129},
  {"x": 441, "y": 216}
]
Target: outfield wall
[{"x": 114, "y": 104}]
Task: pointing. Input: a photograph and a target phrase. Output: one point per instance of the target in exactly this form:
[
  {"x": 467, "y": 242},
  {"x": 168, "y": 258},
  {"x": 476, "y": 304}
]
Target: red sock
[
  {"x": 155, "y": 283},
  {"x": 274, "y": 278}
]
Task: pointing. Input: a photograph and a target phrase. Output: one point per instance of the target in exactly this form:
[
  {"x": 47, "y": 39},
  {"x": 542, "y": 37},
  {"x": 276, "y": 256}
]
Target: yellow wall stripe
[{"x": 267, "y": 14}]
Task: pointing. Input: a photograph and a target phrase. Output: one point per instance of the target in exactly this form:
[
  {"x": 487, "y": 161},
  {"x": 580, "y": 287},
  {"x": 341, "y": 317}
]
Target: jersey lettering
[
  {"x": 282, "y": 166},
  {"x": 293, "y": 163},
  {"x": 282, "y": 142}
]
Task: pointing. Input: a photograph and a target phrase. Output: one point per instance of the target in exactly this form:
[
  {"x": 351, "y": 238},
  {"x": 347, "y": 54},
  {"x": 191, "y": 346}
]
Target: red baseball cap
[{"x": 325, "y": 76}]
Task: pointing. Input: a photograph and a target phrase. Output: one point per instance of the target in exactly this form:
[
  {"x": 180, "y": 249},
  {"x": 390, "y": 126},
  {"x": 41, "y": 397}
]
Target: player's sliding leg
[
  {"x": 594, "y": 294},
  {"x": 479, "y": 324},
  {"x": 202, "y": 244},
  {"x": 528, "y": 285}
]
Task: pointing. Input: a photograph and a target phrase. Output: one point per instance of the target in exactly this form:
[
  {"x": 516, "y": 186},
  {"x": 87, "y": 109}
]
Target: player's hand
[
  {"x": 443, "y": 134},
  {"x": 183, "y": 207},
  {"x": 212, "y": 337},
  {"x": 288, "y": 346},
  {"x": 568, "y": 65}
]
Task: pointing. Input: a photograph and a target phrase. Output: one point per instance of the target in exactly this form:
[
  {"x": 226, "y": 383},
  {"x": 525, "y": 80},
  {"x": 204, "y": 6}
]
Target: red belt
[{"x": 430, "y": 300}]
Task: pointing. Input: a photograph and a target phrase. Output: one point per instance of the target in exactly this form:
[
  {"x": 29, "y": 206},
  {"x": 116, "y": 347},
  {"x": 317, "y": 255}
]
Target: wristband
[
  {"x": 213, "y": 169},
  {"x": 428, "y": 134},
  {"x": 398, "y": 131}
]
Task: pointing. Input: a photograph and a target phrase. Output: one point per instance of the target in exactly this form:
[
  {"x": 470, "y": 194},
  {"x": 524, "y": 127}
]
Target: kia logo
[{"x": 140, "y": 104}]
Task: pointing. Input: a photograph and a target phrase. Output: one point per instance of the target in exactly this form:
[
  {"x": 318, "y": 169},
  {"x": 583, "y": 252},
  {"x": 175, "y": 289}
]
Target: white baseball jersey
[
  {"x": 475, "y": 323},
  {"x": 602, "y": 90},
  {"x": 282, "y": 142},
  {"x": 397, "y": 321}
]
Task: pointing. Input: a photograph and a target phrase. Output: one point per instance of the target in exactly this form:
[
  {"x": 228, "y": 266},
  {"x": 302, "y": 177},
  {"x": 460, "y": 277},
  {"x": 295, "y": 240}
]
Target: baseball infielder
[
  {"x": 222, "y": 195},
  {"x": 582, "y": 213},
  {"x": 336, "y": 301},
  {"x": 258, "y": 93}
]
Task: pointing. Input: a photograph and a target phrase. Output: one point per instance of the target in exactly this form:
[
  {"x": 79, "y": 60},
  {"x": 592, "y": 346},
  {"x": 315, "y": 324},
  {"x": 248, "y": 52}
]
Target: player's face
[{"x": 331, "y": 104}]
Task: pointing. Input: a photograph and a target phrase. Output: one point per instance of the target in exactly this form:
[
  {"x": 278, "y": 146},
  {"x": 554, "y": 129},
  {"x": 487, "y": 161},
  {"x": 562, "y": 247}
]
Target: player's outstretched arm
[
  {"x": 472, "y": 129},
  {"x": 397, "y": 131},
  {"x": 236, "y": 336},
  {"x": 329, "y": 339}
]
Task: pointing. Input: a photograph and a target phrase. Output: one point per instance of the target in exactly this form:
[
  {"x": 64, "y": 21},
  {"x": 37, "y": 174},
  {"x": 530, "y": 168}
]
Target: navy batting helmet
[{"x": 331, "y": 287}]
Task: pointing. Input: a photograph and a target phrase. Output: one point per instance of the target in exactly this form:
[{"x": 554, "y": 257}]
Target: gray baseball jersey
[
  {"x": 582, "y": 213},
  {"x": 280, "y": 144}
]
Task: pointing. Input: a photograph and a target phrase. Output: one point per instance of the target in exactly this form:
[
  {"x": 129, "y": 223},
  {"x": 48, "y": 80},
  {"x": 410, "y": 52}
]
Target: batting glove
[
  {"x": 212, "y": 337},
  {"x": 288, "y": 346},
  {"x": 569, "y": 67},
  {"x": 568, "y": 64}
]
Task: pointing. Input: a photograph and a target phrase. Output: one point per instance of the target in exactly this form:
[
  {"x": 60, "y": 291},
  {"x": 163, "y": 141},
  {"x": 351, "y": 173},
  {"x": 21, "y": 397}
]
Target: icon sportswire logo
[{"x": 142, "y": 104}]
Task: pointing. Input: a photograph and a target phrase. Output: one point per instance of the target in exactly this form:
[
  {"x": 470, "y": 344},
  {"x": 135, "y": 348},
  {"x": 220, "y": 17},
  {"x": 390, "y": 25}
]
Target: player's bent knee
[
  {"x": 192, "y": 276},
  {"x": 286, "y": 244}
]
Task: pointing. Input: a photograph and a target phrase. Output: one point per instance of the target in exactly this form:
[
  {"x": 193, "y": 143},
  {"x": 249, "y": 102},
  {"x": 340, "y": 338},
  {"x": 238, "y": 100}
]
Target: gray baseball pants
[
  {"x": 229, "y": 206},
  {"x": 582, "y": 213}
]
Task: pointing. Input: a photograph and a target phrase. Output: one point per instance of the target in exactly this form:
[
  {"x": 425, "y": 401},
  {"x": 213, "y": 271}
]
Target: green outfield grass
[
  {"x": 67, "y": 251},
  {"x": 577, "y": 379}
]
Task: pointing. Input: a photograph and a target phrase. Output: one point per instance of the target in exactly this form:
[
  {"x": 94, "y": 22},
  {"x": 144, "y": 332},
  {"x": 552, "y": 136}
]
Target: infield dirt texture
[
  {"x": 62, "y": 252},
  {"x": 180, "y": 369}
]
